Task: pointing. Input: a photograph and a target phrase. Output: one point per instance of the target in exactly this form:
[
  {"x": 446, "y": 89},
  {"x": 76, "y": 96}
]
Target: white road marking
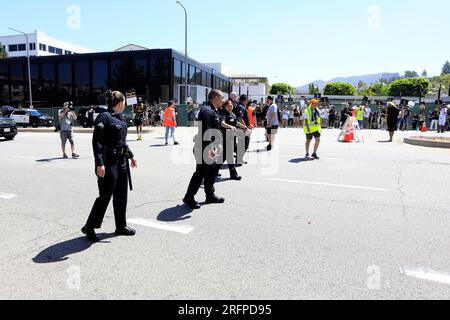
[
  {"x": 330, "y": 185},
  {"x": 161, "y": 225},
  {"x": 427, "y": 274},
  {"x": 7, "y": 195}
]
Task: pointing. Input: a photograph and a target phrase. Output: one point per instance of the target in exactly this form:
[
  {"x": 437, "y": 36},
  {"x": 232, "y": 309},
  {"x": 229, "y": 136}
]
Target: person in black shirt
[
  {"x": 264, "y": 117},
  {"x": 392, "y": 118},
  {"x": 111, "y": 154},
  {"x": 244, "y": 120},
  {"x": 332, "y": 117},
  {"x": 229, "y": 125},
  {"x": 206, "y": 144},
  {"x": 434, "y": 119}
]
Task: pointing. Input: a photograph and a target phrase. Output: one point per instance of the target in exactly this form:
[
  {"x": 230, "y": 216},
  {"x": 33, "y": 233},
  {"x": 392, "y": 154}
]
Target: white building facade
[
  {"x": 40, "y": 45},
  {"x": 253, "y": 86}
]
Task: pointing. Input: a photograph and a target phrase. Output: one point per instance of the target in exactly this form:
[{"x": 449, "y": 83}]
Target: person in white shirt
[
  {"x": 291, "y": 117},
  {"x": 285, "y": 118},
  {"x": 367, "y": 113},
  {"x": 272, "y": 122},
  {"x": 442, "y": 119},
  {"x": 324, "y": 116}
]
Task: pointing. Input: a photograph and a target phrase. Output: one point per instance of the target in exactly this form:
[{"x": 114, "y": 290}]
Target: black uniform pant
[
  {"x": 229, "y": 158},
  {"x": 240, "y": 155},
  {"x": 113, "y": 185},
  {"x": 205, "y": 173}
]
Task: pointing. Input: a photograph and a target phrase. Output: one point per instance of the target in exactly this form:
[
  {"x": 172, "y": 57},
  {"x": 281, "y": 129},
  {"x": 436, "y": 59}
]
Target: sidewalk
[{"x": 78, "y": 130}]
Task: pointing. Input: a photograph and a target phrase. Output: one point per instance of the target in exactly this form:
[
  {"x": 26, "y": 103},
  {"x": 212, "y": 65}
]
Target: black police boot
[
  {"x": 235, "y": 176},
  {"x": 214, "y": 199},
  {"x": 127, "y": 232},
  {"x": 315, "y": 156},
  {"x": 191, "y": 203},
  {"x": 90, "y": 234}
]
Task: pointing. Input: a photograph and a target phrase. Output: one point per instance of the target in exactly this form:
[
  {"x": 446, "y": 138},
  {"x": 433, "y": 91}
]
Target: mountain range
[{"x": 354, "y": 80}]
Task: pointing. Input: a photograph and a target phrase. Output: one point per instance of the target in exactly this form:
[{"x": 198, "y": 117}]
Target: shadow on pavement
[
  {"x": 387, "y": 141},
  {"x": 299, "y": 160},
  {"x": 257, "y": 151},
  {"x": 158, "y": 146},
  {"x": 62, "y": 251},
  {"x": 49, "y": 160},
  {"x": 178, "y": 213}
]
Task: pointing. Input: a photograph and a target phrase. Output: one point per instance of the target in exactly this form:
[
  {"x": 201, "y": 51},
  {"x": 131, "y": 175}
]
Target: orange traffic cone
[
  {"x": 424, "y": 127},
  {"x": 348, "y": 137}
]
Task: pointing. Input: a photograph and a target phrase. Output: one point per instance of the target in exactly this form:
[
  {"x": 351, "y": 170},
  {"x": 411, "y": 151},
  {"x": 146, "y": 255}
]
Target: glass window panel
[
  {"x": 65, "y": 80},
  {"x": 139, "y": 75},
  {"x": 192, "y": 75},
  {"x": 81, "y": 83},
  {"x": 4, "y": 86},
  {"x": 17, "y": 82},
  {"x": 48, "y": 82},
  {"x": 118, "y": 75},
  {"x": 99, "y": 80}
]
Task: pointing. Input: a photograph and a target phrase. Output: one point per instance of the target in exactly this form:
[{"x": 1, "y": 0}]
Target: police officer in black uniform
[
  {"x": 206, "y": 144},
  {"x": 111, "y": 155},
  {"x": 244, "y": 120},
  {"x": 229, "y": 125}
]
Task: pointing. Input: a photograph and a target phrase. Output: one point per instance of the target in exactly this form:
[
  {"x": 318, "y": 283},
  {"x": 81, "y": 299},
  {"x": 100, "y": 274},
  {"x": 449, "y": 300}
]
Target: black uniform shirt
[
  {"x": 243, "y": 113},
  {"x": 110, "y": 132},
  {"x": 228, "y": 118},
  {"x": 210, "y": 119}
]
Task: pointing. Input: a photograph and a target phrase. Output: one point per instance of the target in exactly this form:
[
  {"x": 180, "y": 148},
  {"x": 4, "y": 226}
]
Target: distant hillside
[{"x": 354, "y": 80}]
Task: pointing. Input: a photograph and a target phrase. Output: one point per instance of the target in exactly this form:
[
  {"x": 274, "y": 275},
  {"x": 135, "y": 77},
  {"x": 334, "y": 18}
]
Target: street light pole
[
  {"x": 29, "y": 68},
  {"x": 185, "y": 51}
]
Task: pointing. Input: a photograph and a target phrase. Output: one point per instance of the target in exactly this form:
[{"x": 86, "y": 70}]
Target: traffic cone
[{"x": 424, "y": 127}]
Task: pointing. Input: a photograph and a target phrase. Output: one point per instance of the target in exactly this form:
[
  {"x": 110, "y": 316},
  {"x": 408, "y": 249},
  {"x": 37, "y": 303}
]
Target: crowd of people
[{"x": 367, "y": 117}]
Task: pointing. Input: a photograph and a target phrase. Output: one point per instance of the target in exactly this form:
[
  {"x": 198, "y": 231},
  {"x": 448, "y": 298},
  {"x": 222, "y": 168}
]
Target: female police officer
[{"x": 111, "y": 160}]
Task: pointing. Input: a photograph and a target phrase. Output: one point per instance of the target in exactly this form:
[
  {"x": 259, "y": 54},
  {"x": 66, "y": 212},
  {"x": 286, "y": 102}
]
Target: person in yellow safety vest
[
  {"x": 360, "y": 117},
  {"x": 170, "y": 122},
  {"x": 312, "y": 127}
]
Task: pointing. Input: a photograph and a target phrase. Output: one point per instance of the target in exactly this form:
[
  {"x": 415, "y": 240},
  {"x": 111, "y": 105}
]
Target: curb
[{"x": 427, "y": 142}]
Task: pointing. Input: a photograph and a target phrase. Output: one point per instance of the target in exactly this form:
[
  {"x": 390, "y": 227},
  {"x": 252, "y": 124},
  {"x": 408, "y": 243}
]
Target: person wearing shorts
[
  {"x": 272, "y": 122},
  {"x": 312, "y": 128},
  {"x": 66, "y": 117}
]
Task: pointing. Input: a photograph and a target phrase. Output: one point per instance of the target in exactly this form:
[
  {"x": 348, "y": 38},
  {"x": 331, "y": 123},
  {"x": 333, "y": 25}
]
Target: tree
[
  {"x": 424, "y": 74},
  {"x": 362, "y": 86},
  {"x": 378, "y": 90},
  {"x": 411, "y": 74},
  {"x": 313, "y": 89},
  {"x": 411, "y": 87},
  {"x": 438, "y": 81},
  {"x": 339, "y": 89},
  {"x": 282, "y": 88},
  {"x": 3, "y": 53},
  {"x": 446, "y": 68}
]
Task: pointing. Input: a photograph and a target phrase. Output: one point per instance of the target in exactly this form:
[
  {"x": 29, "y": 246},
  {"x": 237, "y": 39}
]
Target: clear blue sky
[{"x": 293, "y": 41}]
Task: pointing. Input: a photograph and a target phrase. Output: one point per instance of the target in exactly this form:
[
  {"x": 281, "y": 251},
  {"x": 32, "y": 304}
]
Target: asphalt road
[{"x": 367, "y": 221}]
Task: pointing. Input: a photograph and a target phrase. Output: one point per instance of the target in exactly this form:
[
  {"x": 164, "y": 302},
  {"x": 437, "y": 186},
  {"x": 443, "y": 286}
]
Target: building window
[
  {"x": 42, "y": 47},
  {"x": 55, "y": 50},
  {"x": 32, "y": 46},
  {"x": 12, "y": 47},
  {"x": 66, "y": 52},
  {"x": 22, "y": 47}
]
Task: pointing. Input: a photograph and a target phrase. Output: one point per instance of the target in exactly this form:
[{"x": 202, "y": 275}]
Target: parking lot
[{"x": 368, "y": 220}]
